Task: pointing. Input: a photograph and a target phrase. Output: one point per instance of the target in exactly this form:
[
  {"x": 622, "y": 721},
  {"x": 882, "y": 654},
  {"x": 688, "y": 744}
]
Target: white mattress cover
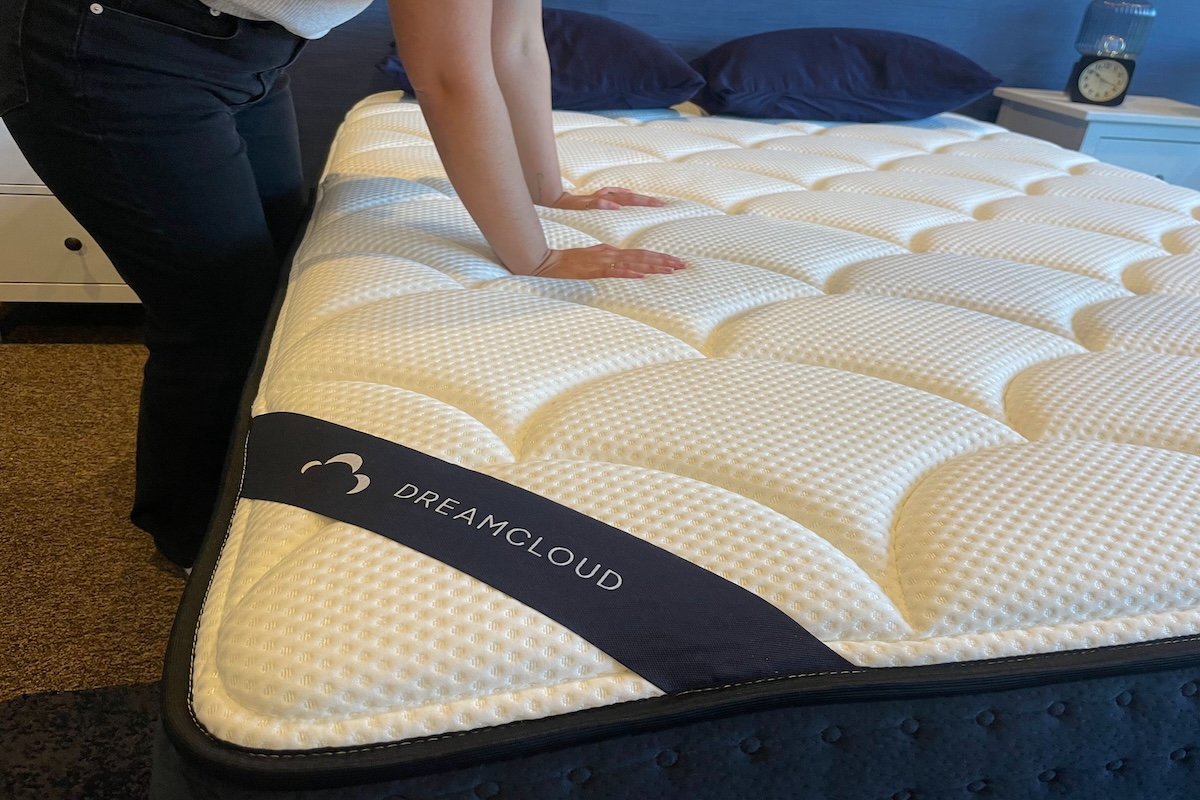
[{"x": 929, "y": 388}]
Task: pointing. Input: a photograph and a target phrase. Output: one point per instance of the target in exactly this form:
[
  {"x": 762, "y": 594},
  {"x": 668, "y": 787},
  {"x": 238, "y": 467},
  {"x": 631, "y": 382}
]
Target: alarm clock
[
  {"x": 1100, "y": 80},
  {"x": 1112, "y": 36}
]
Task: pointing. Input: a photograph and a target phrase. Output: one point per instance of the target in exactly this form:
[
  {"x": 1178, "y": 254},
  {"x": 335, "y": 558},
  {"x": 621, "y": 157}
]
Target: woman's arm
[
  {"x": 446, "y": 48},
  {"x": 523, "y": 73}
]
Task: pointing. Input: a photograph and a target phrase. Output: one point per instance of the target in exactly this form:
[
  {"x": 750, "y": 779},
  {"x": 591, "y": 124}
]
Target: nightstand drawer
[
  {"x": 1174, "y": 162},
  {"x": 34, "y": 230}
]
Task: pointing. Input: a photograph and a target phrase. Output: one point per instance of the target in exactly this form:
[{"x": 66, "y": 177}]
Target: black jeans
[{"x": 169, "y": 133}]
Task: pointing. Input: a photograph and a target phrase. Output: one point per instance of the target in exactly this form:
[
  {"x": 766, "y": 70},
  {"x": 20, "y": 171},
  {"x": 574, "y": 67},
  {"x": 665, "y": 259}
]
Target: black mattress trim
[{"x": 343, "y": 766}]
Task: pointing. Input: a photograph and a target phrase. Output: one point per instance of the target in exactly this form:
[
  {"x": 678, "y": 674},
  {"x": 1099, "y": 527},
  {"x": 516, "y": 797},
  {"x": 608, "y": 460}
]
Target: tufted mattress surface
[{"x": 930, "y": 389}]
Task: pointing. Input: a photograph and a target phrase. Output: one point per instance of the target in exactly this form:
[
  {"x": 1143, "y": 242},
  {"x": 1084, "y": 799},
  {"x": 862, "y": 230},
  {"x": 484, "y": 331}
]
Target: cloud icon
[{"x": 353, "y": 460}]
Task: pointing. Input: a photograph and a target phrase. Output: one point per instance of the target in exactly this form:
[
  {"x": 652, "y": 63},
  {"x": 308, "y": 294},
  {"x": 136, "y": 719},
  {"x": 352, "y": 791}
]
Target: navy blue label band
[{"x": 677, "y": 625}]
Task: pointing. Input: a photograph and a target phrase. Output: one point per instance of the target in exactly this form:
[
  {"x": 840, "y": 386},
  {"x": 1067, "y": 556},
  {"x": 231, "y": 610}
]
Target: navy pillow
[
  {"x": 838, "y": 75},
  {"x": 599, "y": 64}
]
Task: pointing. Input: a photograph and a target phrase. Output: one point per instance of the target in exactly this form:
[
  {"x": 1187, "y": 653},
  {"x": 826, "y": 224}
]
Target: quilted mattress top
[{"x": 930, "y": 389}]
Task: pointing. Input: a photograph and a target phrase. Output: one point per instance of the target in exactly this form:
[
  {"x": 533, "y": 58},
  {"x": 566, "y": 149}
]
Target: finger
[
  {"x": 638, "y": 200},
  {"x": 605, "y": 204},
  {"x": 647, "y": 268},
  {"x": 638, "y": 261},
  {"x": 625, "y": 197},
  {"x": 621, "y": 267},
  {"x": 621, "y": 272},
  {"x": 651, "y": 257},
  {"x": 666, "y": 257}
]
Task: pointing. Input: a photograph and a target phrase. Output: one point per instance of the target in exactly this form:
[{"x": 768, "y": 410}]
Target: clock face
[{"x": 1103, "y": 80}]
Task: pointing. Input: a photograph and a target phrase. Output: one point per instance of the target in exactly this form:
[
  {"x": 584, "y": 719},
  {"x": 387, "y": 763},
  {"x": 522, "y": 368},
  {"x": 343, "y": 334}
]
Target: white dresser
[
  {"x": 45, "y": 255},
  {"x": 1155, "y": 135}
]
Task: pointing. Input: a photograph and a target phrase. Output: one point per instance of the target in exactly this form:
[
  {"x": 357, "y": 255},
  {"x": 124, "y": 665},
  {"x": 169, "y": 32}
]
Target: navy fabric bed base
[{"x": 1132, "y": 737}]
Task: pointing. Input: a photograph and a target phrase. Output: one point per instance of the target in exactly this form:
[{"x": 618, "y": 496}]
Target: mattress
[{"x": 919, "y": 419}]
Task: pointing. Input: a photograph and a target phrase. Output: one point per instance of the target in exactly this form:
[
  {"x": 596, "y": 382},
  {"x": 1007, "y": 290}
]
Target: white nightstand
[
  {"x": 1155, "y": 135},
  {"x": 45, "y": 255}
]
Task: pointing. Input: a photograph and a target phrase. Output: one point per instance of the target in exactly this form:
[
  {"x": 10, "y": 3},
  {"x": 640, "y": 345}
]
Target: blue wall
[{"x": 1026, "y": 42}]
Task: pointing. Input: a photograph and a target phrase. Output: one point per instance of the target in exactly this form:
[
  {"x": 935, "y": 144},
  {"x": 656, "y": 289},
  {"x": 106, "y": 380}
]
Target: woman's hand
[
  {"x": 606, "y": 261},
  {"x": 609, "y": 198}
]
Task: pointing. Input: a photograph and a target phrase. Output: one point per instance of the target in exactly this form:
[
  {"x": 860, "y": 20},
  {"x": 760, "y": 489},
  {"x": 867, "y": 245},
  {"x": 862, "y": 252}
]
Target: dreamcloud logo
[
  {"x": 463, "y": 515},
  {"x": 352, "y": 460},
  {"x": 522, "y": 539}
]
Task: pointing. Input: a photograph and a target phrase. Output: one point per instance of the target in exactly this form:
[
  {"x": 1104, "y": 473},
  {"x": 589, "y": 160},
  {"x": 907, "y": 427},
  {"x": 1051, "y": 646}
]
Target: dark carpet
[
  {"x": 88, "y": 745},
  {"x": 85, "y": 601}
]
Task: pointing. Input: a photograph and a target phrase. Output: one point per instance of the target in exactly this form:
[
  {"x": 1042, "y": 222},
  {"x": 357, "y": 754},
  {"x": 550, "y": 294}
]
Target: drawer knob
[{"x": 73, "y": 244}]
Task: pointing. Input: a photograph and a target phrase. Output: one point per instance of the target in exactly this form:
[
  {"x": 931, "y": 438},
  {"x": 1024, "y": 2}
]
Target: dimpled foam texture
[{"x": 928, "y": 388}]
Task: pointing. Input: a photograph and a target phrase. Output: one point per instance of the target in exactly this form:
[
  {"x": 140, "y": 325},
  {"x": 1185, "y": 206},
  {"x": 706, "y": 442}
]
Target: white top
[
  {"x": 301, "y": 17},
  {"x": 1135, "y": 110}
]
